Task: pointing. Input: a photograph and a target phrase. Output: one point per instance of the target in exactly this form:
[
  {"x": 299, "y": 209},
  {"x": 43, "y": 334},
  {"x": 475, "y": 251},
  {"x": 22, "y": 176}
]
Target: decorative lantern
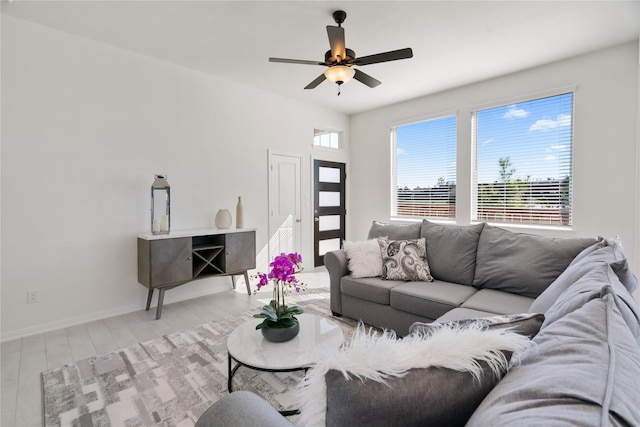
[{"x": 160, "y": 205}]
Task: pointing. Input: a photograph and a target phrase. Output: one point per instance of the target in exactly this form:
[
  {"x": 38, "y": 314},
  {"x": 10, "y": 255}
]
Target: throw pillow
[
  {"x": 363, "y": 258},
  {"x": 372, "y": 380},
  {"x": 527, "y": 324},
  {"x": 404, "y": 260}
]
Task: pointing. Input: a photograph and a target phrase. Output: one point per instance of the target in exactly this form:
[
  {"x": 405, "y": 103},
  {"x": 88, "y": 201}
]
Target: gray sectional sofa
[
  {"x": 583, "y": 367},
  {"x": 478, "y": 270}
]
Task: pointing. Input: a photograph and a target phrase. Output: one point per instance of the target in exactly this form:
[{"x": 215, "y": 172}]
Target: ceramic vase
[
  {"x": 239, "y": 214},
  {"x": 223, "y": 218},
  {"x": 280, "y": 334}
]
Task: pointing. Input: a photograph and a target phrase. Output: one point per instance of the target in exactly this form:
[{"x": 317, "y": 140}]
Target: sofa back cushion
[
  {"x": 603, "y": 252},
  {"x": 520, "y": 263},
  {"x": 589, "y": 287},
  {"x": 394, "y": 231},
  {"x": 451, "y": 250}
]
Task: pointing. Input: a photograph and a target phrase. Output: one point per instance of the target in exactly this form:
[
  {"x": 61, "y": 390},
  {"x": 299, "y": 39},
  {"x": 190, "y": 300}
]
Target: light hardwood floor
[{"x": 23, "y": 360}]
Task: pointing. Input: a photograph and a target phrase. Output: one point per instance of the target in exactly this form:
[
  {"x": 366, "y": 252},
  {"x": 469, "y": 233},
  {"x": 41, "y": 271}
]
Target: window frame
[
  {"x": 474, "y": 156},
  {"x": 393, "y": 179}
]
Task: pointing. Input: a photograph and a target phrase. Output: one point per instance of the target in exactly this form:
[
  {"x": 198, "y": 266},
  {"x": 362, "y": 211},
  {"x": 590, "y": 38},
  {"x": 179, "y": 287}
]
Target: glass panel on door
[
  {"x": 328, "y": 245},
  {"x": 329, "y": 222},
  {"x": 328, "y": 198},
  {"x": 328, "y": 174}
]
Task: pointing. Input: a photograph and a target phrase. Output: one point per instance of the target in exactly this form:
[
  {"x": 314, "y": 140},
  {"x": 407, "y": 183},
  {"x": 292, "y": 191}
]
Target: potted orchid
[{"x": 280, "y": 323}]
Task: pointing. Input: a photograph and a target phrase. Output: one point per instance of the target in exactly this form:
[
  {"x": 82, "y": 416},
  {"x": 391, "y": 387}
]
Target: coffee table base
[{"x": 233, "y": 369}]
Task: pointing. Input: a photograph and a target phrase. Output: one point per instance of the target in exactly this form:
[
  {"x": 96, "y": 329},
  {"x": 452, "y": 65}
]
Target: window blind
[
  {"x": 423, "y": 178},
  {"x": 523, "y": 162}
]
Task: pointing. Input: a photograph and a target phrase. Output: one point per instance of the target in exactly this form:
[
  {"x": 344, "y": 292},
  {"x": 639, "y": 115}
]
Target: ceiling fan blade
[
  {"x": 296, "y": 61},
  {"x": 316, "y": 82},
  {"x": 366, "y": 79},
  {"x": 336, "y": 40},
  {"x": 393, "y": 55}
]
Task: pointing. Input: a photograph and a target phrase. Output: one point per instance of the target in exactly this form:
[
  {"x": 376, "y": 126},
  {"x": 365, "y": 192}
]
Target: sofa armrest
[
  {"x": 337, "y": 266},
  {"x": 242, "y": 408}
]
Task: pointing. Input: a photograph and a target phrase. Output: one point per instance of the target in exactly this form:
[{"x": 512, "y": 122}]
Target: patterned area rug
[{"x": 169, "y": 380}]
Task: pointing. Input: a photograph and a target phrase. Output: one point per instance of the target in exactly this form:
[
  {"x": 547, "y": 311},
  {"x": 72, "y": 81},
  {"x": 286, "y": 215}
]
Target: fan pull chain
[{"x": 339, "y": 86}]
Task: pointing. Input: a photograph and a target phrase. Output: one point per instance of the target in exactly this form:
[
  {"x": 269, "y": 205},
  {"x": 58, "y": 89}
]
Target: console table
[{"x": 169, "y": 260}]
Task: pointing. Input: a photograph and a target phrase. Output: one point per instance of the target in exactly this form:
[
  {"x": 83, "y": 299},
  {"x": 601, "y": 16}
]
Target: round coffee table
[{"x": 248, "y": 348}]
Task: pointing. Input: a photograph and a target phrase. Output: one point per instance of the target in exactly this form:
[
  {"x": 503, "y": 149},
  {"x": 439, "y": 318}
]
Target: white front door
[{"x": 285, "y": 203}]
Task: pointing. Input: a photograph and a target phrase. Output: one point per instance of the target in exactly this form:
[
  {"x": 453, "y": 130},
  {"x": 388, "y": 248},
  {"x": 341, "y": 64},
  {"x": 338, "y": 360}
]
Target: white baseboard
[{"x": 91, "y": 317}]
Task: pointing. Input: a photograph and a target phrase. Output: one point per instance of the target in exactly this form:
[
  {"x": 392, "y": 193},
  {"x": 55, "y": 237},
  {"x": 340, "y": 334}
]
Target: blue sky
[{"x": 535, "y": 135}]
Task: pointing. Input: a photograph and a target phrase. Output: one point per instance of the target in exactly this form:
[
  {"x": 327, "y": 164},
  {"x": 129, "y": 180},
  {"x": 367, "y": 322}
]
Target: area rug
[{"x": 167, "y": 381}]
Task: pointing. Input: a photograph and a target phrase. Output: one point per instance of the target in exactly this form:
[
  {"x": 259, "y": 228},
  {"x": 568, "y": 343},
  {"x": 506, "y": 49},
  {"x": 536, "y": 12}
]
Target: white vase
[
  {"x": 239, "y": 214},
  {"x": 223, "y": 218}
]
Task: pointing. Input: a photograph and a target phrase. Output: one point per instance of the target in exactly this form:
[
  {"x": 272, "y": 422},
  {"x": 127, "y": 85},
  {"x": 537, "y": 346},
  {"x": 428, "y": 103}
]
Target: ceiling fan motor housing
[{"x": 329, "y": 59}]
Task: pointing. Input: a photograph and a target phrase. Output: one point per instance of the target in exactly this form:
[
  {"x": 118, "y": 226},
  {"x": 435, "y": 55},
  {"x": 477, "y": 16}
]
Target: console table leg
[
  {"x": 149, "y": 298},
  {"x": 160, "y": 301},
  {"x": 233, "y": 281},
  {"x": 246, "y": 281}
]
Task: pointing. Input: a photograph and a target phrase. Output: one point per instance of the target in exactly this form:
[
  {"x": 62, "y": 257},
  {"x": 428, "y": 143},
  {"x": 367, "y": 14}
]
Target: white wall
[
  {"x": 85, "y": 126},
  {"x": 605, "y": 143}
]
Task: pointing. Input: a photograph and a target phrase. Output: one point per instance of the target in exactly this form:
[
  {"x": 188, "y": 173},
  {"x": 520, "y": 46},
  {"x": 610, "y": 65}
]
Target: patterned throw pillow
[{"x": 405, "y": 260}]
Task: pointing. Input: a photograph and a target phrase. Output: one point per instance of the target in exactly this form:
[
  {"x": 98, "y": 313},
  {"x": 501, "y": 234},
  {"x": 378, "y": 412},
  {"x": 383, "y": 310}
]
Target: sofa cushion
[
  {"x": 463, "y": 313},
  {"x": 583, "y": 371},
  {"x": 377, "y": 380},
  {"x": 621, "y": 266},
  {"x": 404, "y": 260},
  {"x": 372, "y": 289},
  {"x": 451, "y": 250},
  {"x": 527, "y": 324},
  {"x": 394, "y": 231},
  {"x": 498, "y": 302},
  {"x": 429, "y": 299},
  {"x": 522, "y": 264},
  {"x": 364, "y": 258},
  {"x": 587, "y": 288},
  {"x": 590, "y": 258}
]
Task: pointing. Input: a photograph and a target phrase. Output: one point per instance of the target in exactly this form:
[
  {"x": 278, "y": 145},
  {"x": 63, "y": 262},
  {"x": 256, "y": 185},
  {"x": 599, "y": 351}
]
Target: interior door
[
  {"x": 284, "y": 203},
  {"x": 329, "y": 208}
]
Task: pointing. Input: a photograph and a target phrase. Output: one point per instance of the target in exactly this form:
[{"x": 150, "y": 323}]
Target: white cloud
[
  {"x": 400, "y": 152},
  {"x": 546, "y": 124},
  {"x": 515, "y": 113},
  {"x": 550, "y": 157},
  {"x": 488, "y": 141},
  {"x": 559, "y": 147}
]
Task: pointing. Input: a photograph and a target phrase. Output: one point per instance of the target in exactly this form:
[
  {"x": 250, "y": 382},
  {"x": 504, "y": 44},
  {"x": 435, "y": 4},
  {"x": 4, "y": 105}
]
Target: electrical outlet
[{"x": 32, "y": 297}]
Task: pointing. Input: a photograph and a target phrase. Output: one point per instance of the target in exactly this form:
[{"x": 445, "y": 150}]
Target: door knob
[{"x": 316, "y": 219}]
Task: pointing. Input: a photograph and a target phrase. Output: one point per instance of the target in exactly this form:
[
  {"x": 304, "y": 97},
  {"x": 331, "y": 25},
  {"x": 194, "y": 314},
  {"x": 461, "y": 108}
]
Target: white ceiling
[{"x": 454, "y": 42}]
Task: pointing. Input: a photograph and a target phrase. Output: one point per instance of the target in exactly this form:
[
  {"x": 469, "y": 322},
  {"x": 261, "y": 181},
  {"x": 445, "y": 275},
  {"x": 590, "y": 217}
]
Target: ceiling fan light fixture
[{"x": 339, "y": 74}]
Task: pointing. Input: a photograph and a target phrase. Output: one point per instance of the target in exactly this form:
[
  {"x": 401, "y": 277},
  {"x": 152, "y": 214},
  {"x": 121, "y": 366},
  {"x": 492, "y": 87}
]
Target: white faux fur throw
[{"x": 378, "y": 357}]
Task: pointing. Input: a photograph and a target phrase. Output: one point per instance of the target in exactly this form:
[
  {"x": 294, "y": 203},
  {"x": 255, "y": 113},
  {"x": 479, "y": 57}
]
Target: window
[
  {"x": 423, "y": 169},
  {"x": 326, "y": 138},
  {"x": 523, "y": 162}
]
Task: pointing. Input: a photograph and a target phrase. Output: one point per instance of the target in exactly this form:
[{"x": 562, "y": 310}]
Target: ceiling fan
[{"x": 340, "y": 61}]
